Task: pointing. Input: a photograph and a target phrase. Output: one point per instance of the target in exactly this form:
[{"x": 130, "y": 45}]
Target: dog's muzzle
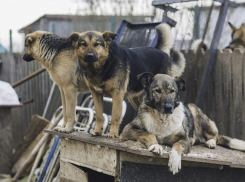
[
  {"x": 167, "y": 109},
  {"x": 28, "y": 58},
  {"x": 90, "y": 57}
]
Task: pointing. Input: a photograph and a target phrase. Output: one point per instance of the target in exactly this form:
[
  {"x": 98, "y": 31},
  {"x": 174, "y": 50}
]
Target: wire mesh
[{"x": 192, "y": 18}]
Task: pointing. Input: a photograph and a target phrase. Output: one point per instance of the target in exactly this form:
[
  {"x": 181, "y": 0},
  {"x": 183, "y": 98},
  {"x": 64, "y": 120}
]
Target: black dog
[{"x": 111, "y": 69}]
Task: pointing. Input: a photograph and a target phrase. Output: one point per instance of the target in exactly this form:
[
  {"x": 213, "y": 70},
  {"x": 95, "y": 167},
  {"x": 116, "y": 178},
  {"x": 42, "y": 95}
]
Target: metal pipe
[{"x": 49, "y": 99}]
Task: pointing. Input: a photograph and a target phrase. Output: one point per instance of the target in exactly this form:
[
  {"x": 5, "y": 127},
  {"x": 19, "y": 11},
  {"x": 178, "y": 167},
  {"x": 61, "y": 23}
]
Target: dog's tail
[
  {"x": 178, "y": 63},
  {"x": 165, "y": 43},
  {"x": 165, "y": 39},
  {"x": 231, "y": 143},
  {"x": 199, "y": 44}
]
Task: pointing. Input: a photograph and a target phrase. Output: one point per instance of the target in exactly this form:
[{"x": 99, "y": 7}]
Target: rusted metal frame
[{"x": 212, "y": 53}]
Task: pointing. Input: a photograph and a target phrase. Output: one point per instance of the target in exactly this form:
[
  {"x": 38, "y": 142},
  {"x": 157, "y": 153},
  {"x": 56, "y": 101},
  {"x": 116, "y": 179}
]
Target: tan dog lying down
[{"x": 163, "y": 119}]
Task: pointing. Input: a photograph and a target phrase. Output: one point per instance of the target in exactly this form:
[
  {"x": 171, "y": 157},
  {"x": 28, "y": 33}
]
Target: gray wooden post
[{"x": 213, "y": 50}]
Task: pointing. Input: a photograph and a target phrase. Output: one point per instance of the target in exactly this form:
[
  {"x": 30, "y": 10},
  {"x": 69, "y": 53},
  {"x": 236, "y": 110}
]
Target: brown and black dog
[
  {"x": 163, "y": 119},
  {"x": 56, "y": 54},
  {"x": 111, "y": 69},
  {"x": 237, "y": 37}
]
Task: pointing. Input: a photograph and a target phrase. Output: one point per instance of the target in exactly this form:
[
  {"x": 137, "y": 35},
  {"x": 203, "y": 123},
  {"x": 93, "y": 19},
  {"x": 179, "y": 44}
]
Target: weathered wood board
[
  {"x": 27, "y": 151},
  {"x": 71, "y": 172},
  {"x": 199, "y": 153},
  {"x": 36, "y": 125},
  {"x": 98, "y": 158},
  {"x": 224, "y": 98}
]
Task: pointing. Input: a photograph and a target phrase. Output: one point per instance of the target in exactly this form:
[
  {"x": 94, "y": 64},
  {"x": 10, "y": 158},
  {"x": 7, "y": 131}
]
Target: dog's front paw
[
  {"x": 96, "y": 132},
  {"x": 156, "y": 149},
  {"x": 174, "y": 162},
  {"x": 211, "y": 143},
  {"x": 112, "y": 135},
  {"x": 67, "y": 130},
  {"x": 63, "y": 130},
  {"x": 57, "y": 128}
]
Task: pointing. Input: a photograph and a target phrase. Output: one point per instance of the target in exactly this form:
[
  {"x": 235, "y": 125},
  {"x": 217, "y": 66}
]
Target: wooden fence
[
  {"x": 225, "y": 97},
  {"x": 223, "y": 103},
  {"x": 13, "y": 69}
]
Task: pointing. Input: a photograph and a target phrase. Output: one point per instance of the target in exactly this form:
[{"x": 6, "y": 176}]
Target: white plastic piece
[{"x": 8, "y": 95}]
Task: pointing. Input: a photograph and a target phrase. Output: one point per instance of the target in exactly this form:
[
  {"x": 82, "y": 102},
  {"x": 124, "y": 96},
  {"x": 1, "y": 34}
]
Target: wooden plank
[
  {"x": 71, "y": 172},
  {"x": 27, "y": 152},
  {"x": 218, "y": 94},
  {"x": 243, "y": 94},
  {"x": 184, "y": 95},
  {"x": 87, "y": 155},
  {"x": 130, "y": 157},
  {"x": 201, "y": 60},
  {"x": 191, "y": 83},
  {"x": 226, "y": 79},
  {"x": 198, "y": 153},
  {"x": 35, "y": 127},
  {"x": 207, "y": 102},
  {"x": 236, "y": 122}
]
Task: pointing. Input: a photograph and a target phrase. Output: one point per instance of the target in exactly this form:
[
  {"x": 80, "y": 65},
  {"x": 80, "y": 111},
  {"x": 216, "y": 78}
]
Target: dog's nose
[
  {"x": 90, "y": 55},
  {"x": 168, "y": 106}
]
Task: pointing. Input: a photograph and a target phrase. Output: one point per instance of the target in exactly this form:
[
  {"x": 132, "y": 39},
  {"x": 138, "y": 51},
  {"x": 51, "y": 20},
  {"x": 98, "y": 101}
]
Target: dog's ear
[
  {"x": 145, "y": 79},
  {"x": 232, "y": 26},
  {"x": 73, "y": 38},
  {"x": 28, "y": 40},
  {"x": 109, "y": 36},
  {"x": 180, "y": 83}
]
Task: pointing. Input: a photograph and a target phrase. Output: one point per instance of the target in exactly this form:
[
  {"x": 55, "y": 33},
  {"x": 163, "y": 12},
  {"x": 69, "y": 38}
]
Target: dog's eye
[
  {"x": 171, "y": 91},
  {"x": 96, "y": 44},
  {"x": 84, "y": 44},
  {"x": 158, "y": 91}
]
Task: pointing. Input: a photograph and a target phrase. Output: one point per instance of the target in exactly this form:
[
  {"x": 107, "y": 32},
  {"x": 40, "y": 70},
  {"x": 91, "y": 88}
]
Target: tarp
[{"x": 8, "y": 95}]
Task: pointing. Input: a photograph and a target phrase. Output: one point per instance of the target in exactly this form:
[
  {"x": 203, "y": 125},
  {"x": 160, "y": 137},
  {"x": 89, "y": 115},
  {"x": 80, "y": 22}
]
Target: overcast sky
[{"x": 15, "y": 14}]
